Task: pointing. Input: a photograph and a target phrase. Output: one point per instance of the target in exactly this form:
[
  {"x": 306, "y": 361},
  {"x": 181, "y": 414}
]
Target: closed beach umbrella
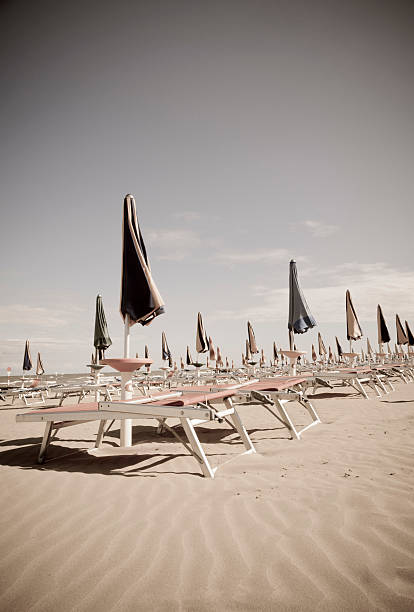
[
  {"x": 338, "y": 347},
  {"x": 321, "y": 345},
  {"x": 165, "y": 351},
  {"x": 275, "y": 355},
  {"x": 181, "y": 363},
  {"x": 189, "y": 359},
  {"x": 141, "y": 301},
  {"x": 227, "y": 363},
  {"x": 248, "y": 353},
  {"x": 369, "y": 348},
  {"x": 27, "y": 360},
  {"x": 401, "y": 337},
  {"x": 389, "y": 349},
  {"x": 219, "y": 358},
  {"x": 300, "y": 316},
  {"x": 39, "y": 366},
  {"x": 353, "y": 328},
  {"x": 212, "y": 351},
  {"x": 243, "y": 359},
  {"x": 383, "y": 333},
  {"x": 330, "y": 354},
  {"x": 101, "y": 339},
  {"x": 252, "y": 339},
  {"x": 409, "y": 334},
  {"x": 314, "y": 355},
  {"x": 201, "y": 340}
]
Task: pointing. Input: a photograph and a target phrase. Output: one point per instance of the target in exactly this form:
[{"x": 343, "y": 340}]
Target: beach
[{"x": 323, "y": 523}]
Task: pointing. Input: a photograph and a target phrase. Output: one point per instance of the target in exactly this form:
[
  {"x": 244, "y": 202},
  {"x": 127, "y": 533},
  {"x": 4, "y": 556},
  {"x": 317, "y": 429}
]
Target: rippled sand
[{"x": 325, "y": 523}]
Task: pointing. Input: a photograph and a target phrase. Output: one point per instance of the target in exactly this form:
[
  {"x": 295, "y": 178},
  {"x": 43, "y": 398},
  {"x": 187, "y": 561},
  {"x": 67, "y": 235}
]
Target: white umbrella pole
[{"x": 126, "y": 391}]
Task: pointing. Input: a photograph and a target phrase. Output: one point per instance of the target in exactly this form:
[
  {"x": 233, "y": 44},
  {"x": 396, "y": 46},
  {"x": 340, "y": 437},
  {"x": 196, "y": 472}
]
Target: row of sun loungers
[{"x": 212, "y": 402}]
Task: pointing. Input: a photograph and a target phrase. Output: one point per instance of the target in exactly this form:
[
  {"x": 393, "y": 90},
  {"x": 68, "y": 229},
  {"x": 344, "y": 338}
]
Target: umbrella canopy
[
  {"x": 401, "y": 337},
  {"x": 353, "y": 328},
  {"x": 330, "y": 354},
  {"x": 369, "y": 348},
  {"x": 300, "y": 317},
  {"x": 146, "y": 352},
  {"x": 275, "y": 355},
  {"x": 201, "y": 339},
  {"x": 321, "y": 345},
  {"x": 140, "y": 298},
  {"x": 189, "y": 359},
  {"x": 338, "y": 347},
  {"x": 165, "y": 351},
  {"x": 248, "y": 352},
  {"x": 243, "y": 359},
  {"x": 212, "y": 351},
  {"x": 101, "y": 339},
  {"x": 219, "y": 357},
  {"x": 39, "y": 366},
  {"x": 409, "y": 334},
  {"x": 314, "y": 355},
  {"x": 252, "y": 339},
  {"x": 27, "y": 360},
  {"x": 383, "y": 333}
]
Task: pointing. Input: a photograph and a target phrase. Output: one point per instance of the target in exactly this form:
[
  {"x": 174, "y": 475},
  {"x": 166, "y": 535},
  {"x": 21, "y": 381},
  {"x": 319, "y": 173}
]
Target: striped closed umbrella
[
  {"x": 401, "y": 337},
  {"x": 353, "y": 328},
  {"x": 314, "y": 355},
  {"x": 27, "y": 360},
  {"x": 165, "y": 350},
  {"x": 252, "y": 339},
  {"x": 39, "y": 366},
  {"x": 300, "y": 316},
  {"x": 201, "y": 339},
  {"x": 321, "y": 346},
  {"x": 101, "y": 338},
  {"x": 275, "y": 355},
  {"x": 189, "y": 359}
]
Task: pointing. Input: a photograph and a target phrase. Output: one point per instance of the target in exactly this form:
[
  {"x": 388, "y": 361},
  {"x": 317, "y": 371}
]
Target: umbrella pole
[{"x": 126, "y": 391}]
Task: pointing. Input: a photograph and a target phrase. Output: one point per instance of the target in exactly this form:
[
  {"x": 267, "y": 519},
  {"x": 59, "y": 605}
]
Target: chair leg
[
  {"x": 197, "y": 448},
  {"x": 286, "y": 418},
  {"x": 100, "y": 434},
  {"x": 237, "y": 422},
  {"x": 45, "y": 442}
]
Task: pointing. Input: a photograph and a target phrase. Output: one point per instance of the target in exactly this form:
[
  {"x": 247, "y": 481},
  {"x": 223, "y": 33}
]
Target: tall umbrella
[
  {"x": 314, "y": 355},
  {"x": 201, "y": 340},
  {"x": 248, "y": 352},
  {"x": 383, "y": 333},
  {"x": 300, "y": 316},
  {"x": 27, "y": 360},
  {"x": 212, "y": 350},
  {"x": 370, "y": 352},
  {"x": 252, "y": 339},
  {"x": 165, "y": 350},
  {"x": 141, "y": 301},
  {"x": 101, "y": 339},
  {"x": 338, "y": 347},
  {"x": 401, "y": 337},
  {"x": 275, "y": 355},
  {"x": 353, "y": 328},
  {"x": 39, "y": 366}
]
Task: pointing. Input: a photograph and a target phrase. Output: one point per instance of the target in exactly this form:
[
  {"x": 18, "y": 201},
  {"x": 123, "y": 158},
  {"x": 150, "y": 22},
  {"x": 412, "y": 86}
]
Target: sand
[{"x": 324, "y": 523}]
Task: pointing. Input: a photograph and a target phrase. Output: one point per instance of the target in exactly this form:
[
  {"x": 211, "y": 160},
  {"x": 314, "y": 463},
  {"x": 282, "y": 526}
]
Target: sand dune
[{"x": 325, "y": 523}]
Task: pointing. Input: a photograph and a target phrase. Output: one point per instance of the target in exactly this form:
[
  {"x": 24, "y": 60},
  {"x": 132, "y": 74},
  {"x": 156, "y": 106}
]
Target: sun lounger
[{"x": 190, "y": 409}]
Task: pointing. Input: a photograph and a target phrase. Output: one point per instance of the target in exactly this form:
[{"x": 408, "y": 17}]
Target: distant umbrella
[
  {"x": 353, "y": 328},
  {"x": 362, "y": 354},
  {"x": 27, "y": 360},
  {"x": 275, "y": 355},
  {"x": 219, "y": 357},
  {"x": 136, "y": 356},
  {"x": 165, "y": 351},
  {"x": 383, "y": 333},
  {"x": 243, "y": 359},
  {"x": 409, "y": 334},
  {"x": 321, "y": 345},
  {"x": 401, "y": 337},
  {"x": 227, "y": 363},
  {"x": 300, "y": 316},
  {"x": 248, "y": 352},
  {"x": 141, "y": 301},
  {"x": 181, "y": 363},
  {"x": 252, "y": 339},
  {"x": 93, "y": 360},
  {"x": 314, "y": 355},
  {"x": 212, "y": 351},
  {"x": 262, "y": 359},
  {"x": 146, "y": 352},
  {"x": 389, "y": 349},
  {"x": 369, "y": 348},
  {"x": 189, "y": 359},
  {"x": 101, "y": 340},
  {"x": 338, "y": 347},
  {"x": 201, "y": 340},
  {"x": 39, "y": 366},
  {"x": 330, "y": 354}
]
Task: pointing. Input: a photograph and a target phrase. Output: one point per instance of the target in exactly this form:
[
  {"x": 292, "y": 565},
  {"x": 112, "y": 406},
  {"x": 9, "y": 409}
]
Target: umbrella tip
[{"x": 293, "y": 261}]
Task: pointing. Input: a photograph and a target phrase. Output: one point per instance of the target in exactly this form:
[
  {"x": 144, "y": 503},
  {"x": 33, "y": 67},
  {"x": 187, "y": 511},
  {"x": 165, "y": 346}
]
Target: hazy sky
[{"x": 248, "y": 132}]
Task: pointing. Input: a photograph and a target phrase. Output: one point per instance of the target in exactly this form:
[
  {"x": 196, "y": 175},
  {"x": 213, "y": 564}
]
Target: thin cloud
[
  {"x": 174, "y": 244},
  {"x": 320, "y": 230},
  {"x": 262, "y": 255}
]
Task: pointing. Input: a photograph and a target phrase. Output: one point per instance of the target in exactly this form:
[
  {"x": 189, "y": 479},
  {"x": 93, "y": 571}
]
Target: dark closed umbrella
[
  {"x": 201, "y": 339},
  {"x": 401, "y": 337},
  {"x": 189, "y": 360},
  {"x": 338, "y": 347},
  {"x": 275, "y": 355},
  {"x": 409, "y": 334},
  {"x": 383, "y": 333},
  {"x": 165, "y": 351},
  {"x": 101, "y": 339},
  {"x": 140, "y": 298},
  {"x": 27, "y": 360},
  {"x": 300, "y": 316},
  {"x": 321, "y": 345}
]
